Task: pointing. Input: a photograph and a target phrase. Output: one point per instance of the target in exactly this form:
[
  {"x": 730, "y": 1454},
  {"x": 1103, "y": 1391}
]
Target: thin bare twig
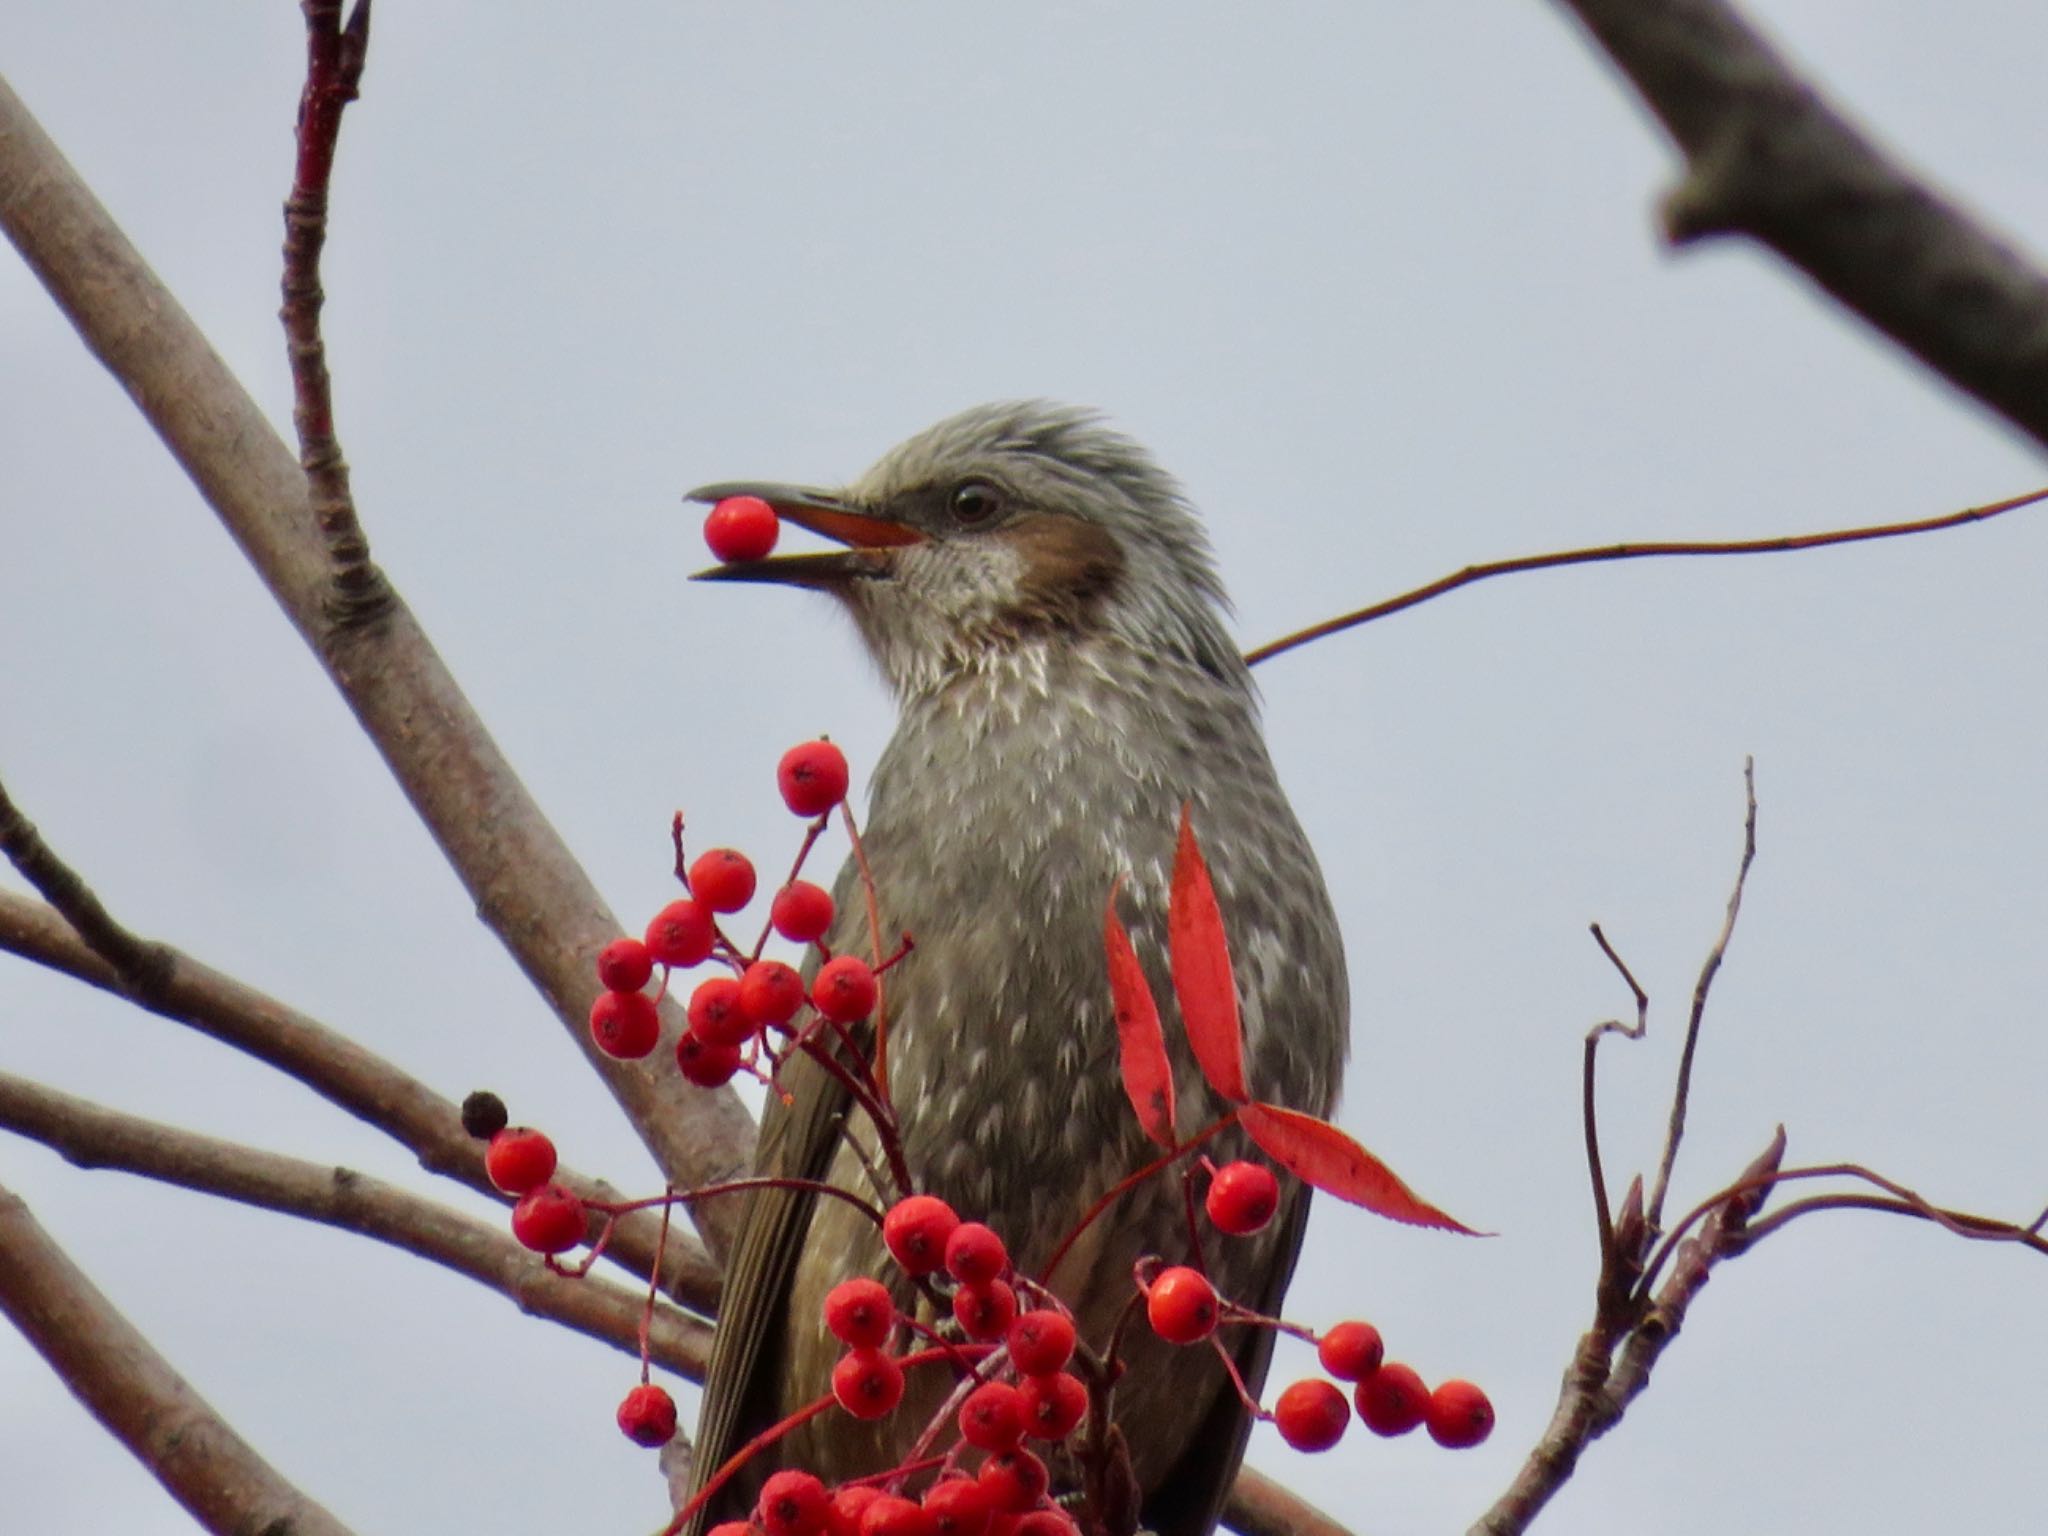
[
  {"x": 143, "y": 968},
  {"x": 1603, "y": 553},
  {"x": 1589, "y": 1112},
  {"x": 92, "y": 1136},
  {"x": 1711, "y": 968},
  {"x": 215, "y": 1474}
]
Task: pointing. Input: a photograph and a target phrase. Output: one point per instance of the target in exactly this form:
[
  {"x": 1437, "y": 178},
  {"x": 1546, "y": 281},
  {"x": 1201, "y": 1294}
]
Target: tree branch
[
  {"x": 1258, "y": 1506},
  {"x": 526, "y": 886},
  {"x": 92, "y": 1136},
  {"x": 1768, "y": 157},
  {"x": 131, "y": 1389},
  {"x": 340, "y": 1071}
]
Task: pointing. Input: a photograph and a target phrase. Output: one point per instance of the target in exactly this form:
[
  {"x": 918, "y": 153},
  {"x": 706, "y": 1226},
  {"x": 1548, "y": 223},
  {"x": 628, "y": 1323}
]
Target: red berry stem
[
  {"x": 597, "y": 1248},
  {"x": 654, "y": 1276},
  {"x": 1196, "y": 1258},
  {"x": 1124, "y": 1186},
  {"x": 813, "y": 830},
  {"x": 1244, "y": 1394},
  {"x": 615, "y": 1209}
]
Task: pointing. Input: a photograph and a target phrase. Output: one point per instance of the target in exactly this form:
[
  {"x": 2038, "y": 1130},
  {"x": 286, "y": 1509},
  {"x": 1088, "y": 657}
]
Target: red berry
[
  {"x": 718, "y": 1014},
  {"x": 843, "y": 1517},
  {"x": 860, "y": 1313},
  {"x": 867, "y": 1383},
  {"x": 771, "y": 992},
  {"x": 648, "y": 1416},
  {"x": 519, "y": 1159},
  {"x": 681, "y": 934},
  {"x": 1312, "y": 1415},
  {"x": 812, "y": 777},
  {"x": 548, "y": 1220},
  {"x": 1182, "y": 1307},
  {"x": 625, "y": 1024},
  {"x": 1459, "y": 1415},
  {"x": 1053, "y": 1405},
  {"x": 1014, "y": 1480},
  {"x": 959, "y": 1506},
  {"x": 793, "y": 1504},
  {"x": 734, "y": 1528},
  {"x": 985, "y": 1311},
  {"x": 801, "y": 911},
  {"x": 992, "y": 1418},
  {"x": 974, "y": 1254},
  {"x": 624, "y": 965},
  {"x": 844, "y": 989},
  {"x": 1041, "y": 1341},
  {"x": 741, "y": 528},
  {"x": 892, "y": 1515},
  {"x": 722, "y": 879},
  {"x": 1351, "y": 1351},
  {"x": 916, "y": 1230},
  {"x": 708, "y": 1066},
  {"x": 1242, "y": 1198},
  {"x": 1046, "y": 1522},
  {"x": 1392, "y": 1400}
]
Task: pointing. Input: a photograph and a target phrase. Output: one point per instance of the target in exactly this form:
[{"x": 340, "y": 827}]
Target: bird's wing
[
  {"x": 798, "y": 1134},
  {"x": 1190, "y": 1500}
]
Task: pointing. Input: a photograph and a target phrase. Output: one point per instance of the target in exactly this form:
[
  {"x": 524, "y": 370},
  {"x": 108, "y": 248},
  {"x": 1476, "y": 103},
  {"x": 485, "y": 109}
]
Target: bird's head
[{"x": 1006, "y": 527}]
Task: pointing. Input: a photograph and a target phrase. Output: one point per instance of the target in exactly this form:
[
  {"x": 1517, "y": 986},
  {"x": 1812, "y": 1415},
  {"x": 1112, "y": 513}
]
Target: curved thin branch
[
  {"x": 1605, "y": 553},
  {"x": 217, "y": 1475},
  {"x": 1768, "y": 157},
  {"x": 524, "y": 882},
  {"x": 92, "y": 1136},
  {"x": 340, "y": 1071}
]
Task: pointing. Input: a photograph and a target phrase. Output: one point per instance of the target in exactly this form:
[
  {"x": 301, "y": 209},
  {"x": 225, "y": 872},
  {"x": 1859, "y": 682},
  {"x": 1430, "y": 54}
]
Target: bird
[{"x": 1041, "y": 599}]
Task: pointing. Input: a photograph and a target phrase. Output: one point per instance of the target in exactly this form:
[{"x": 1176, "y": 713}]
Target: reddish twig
[
  {"x": 1604, "y": 553},
  {"x": 1588, "y": 1097},
  {"x": 335, "y": 55},
  {"x": 1125, "y": 1185}
]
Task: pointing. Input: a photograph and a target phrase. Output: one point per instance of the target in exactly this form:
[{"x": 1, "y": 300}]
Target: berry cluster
[
  {"x": 1025, "y": 1382},
  {"x": 1025, "y": 1394},
  {"x": 1312, "y": 1414},
  {"x": 731, "y": 1013}
]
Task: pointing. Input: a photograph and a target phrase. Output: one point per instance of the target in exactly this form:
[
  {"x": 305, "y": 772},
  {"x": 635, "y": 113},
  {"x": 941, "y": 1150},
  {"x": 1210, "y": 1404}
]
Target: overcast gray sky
[{"x": 1379, "y": 282}]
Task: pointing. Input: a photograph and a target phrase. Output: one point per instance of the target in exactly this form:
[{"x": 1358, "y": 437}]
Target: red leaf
[
  {"x": 1201, "y": 970},
  {"x": 1317, "y": 1152},
  {"x": 1148, "y": 1076}
]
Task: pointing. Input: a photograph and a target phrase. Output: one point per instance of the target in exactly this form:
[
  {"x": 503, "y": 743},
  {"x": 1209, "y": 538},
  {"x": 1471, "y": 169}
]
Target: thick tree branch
[
  {"x": 92, "y": 1136},
  {"x": 131, "y": 1389},
  {"x": 526, "y": 886},
  {"x": 1258, "y": 1506},
  {"x": 1768, "y": 157},
  {"x": 339, "y": 1070}
]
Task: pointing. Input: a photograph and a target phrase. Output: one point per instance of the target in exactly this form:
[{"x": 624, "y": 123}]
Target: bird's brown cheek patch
[{"x": 1070, "y": 570}]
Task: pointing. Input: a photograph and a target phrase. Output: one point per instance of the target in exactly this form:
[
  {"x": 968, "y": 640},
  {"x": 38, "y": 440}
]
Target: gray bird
[{"x": 1041, "y": 599}]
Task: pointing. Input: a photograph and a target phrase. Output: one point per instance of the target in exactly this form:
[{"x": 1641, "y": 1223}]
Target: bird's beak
[{"x": 867, "y": 538}]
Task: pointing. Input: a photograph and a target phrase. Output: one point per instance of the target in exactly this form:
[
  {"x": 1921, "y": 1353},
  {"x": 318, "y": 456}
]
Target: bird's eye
[{"x": 976, "y": 503}]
